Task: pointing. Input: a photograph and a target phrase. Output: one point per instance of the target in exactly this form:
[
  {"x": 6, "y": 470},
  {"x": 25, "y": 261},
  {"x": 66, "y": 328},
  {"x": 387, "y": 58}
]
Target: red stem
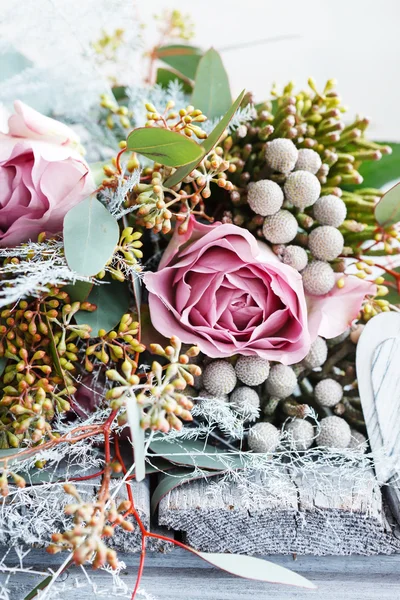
[
  {"x": 141, "y": 567},
  {"x": 117, "y": 160},
  {"x": 164, "y": 538},
  {"x": 86, "y": 477}
]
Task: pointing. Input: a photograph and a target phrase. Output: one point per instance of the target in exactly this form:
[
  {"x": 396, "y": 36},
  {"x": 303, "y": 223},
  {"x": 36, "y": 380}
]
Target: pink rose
[
  {"x": 218, "y": 288},
  {"x": 42, "y": 175}
]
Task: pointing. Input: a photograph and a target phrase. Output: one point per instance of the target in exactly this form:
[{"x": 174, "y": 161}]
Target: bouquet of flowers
[{"x": 204, "y": 283}]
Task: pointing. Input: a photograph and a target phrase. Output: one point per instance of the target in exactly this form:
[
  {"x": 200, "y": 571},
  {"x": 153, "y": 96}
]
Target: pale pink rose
[
  {"x": 42, "y": 176},
  {"x": 332, "y": 314},
  {"x": 218, "y": 288}
]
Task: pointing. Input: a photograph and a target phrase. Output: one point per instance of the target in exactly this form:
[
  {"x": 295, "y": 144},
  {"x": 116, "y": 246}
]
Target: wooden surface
[
  {"x": 265, "y": 517},
  {"x": 181, "y": 576}
]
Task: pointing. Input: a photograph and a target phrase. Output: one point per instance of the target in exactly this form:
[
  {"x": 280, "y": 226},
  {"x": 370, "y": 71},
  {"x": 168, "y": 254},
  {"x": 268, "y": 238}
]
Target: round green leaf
[
  {"x": 164, "y": 146},
  {"x": 387, "y": 211},
  {"x": 211, "y": 92},
  {"x": 90, "y": 236},
  {"x": 112, "y": 300},
  {"x": 78, "y": 291}
]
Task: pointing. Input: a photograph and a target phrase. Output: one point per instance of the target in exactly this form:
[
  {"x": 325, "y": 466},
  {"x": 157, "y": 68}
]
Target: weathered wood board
[
  {"x": 182, "y": 576},
  {"x": 346, "y": 518}
]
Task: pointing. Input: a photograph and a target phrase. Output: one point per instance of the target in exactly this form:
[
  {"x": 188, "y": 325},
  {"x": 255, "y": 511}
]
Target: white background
[{"x": 355, "y": 41}]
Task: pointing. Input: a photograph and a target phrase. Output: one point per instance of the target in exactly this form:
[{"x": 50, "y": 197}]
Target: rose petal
[
  {"x": 29, "y": 123},
  {"x": 330, "y": 315}
]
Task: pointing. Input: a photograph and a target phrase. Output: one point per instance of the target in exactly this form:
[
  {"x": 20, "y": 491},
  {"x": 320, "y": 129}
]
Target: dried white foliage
[
  {"x": 241, "y": 117},
  {"x": 32, "y": 276},
  {"x": 16, "y": 572},
  {"x": 216, "y": 413},
  {"x": 330, "y": 472},
  {"x": 49, "y": 45},
  {"x": 115, "y": 198}
]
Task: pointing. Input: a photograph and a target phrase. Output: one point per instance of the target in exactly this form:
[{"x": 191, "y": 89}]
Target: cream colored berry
[
  {"x": 325, "y": 242},
  {"x": 219, "y": 377},
  {"x": 328, "y": 392},
  {"x": 280, "y": 228},
  {"x": 263, "y": 437},
  {"x": 308, "y": 160},
  {"x": 252, "y": 370},
  {"x": 330, "y": 210},
  {"x": 295, "y": 257},
  {"x": 358, "y": 441},
  {"x": 246, "y": 401},
  {"x": 265, "y": 197},
  {"x": 318, "y": 278},
  {"x": 302, "y": 189},
  {"x": 300, "y": 433},
  {"x": 281, "y": 155},
  {"x": 281, "y": 381},
  {"x": 334, "y": 433},
  {"x": 317, "y": 354}
]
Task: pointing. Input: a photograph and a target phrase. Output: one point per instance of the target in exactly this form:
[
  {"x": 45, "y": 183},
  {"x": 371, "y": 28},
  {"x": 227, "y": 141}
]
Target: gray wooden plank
[
  {"x": 303, "y": 516},
  {"x": 184, "y": 576}
]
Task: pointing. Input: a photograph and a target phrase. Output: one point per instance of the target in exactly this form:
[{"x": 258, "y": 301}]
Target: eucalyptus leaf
[
  {"x": 177, "y": 477},
  {"x": 165, "y": 76},
  {"x": 53, "y": 349},
  {"x": 90, "y": 236},
  {"x": 78, "y": 291},
  {"x": 137, "y": 292},
  {"x": 5, "y": 453},
  {"x": 250, "y": 567},
  {"x": 3, "y": 363},
  {"x": 208, "y": 143},
  {"x": 38, "y": 588},
  {"x": 387, "y": 211},
  {"x": 134, "y": 413},
  {"x": 211, "y": 92},
  {"x": 164, "y": 146},
  {"x": 393, "y": 286},
  {"x": 119, "y": 92},
  {"x": 97, "y": 171},
  {"x": 112, "y": 300},
  {"x": 197, "y": 453},
  {"x": 377, "y": 173},
  {"x": 156, "y": 466},
  {"x": 182, "y": 58}
]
